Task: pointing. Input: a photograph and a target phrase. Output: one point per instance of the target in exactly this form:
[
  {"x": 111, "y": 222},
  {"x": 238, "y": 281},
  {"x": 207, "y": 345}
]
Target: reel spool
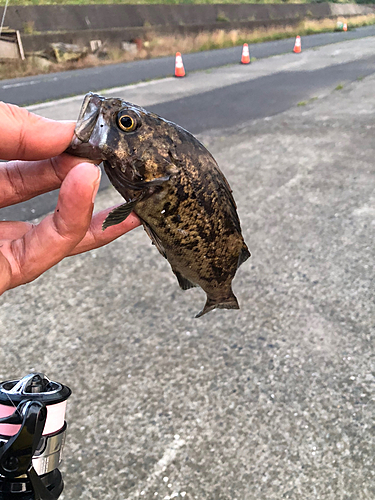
[{"x": 32, "y": 435}]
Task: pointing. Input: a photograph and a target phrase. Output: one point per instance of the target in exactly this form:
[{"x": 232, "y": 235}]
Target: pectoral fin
[{"x": 118, "y": 214}]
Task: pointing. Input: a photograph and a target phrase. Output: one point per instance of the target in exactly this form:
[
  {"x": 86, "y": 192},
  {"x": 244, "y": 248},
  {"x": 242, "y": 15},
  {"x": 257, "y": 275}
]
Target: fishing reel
[{"x": 32, "y": 435}]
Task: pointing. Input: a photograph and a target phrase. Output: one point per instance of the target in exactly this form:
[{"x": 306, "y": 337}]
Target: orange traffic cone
[
  {"x": 345, "y": 27},
  {"x": 245, "y": 58},
  {"x": 179, "y": 69},
  {"x": 297, "y": 45}
]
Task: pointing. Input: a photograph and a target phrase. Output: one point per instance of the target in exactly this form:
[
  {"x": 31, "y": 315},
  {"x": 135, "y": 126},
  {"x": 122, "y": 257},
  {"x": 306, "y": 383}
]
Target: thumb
[{"x": 55, "y": 237}]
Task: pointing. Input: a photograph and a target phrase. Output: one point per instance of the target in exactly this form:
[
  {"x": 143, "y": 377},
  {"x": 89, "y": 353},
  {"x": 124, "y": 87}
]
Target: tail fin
[{"x": 230, "y": 302}]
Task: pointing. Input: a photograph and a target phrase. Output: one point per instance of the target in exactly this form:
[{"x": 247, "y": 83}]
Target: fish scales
[{"x": 174, "y": 185}]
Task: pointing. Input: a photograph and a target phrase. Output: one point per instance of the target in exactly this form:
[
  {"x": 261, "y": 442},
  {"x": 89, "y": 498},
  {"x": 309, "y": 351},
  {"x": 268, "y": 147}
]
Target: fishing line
[
  {"x": 7, "y": 395},
  {"x": 2, "y": 20}
]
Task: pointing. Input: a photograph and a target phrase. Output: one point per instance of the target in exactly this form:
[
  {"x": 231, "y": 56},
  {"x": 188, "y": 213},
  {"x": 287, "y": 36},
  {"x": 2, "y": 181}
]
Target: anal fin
[{"x": 184, "y": 283}]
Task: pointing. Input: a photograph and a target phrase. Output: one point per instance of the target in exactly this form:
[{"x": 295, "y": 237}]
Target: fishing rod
[{"x": 32, "y": 436}]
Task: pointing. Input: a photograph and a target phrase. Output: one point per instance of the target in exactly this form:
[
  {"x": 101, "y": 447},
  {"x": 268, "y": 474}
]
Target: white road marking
[
  {"x": 169, "y": 455},
  {"x": 21, "y": 84},
  {"x": 75, "y": 98}
]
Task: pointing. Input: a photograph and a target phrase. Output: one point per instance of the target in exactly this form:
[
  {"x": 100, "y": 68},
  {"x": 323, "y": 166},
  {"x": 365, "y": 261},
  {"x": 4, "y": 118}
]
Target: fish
[{"x": 174, "y": 185}]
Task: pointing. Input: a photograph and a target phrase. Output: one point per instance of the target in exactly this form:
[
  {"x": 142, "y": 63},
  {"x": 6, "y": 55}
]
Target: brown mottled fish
[{"x": 174, "y": 185}]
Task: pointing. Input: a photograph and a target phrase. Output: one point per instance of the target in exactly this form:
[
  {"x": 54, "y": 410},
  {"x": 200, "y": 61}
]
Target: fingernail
[{"x": 96, "y": 183}]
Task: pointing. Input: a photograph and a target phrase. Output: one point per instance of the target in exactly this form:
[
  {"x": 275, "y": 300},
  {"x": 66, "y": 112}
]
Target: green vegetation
[
  {"x": 339, "y": 87},
  {"x": 28, "y": 28},
  {"x": 303, "y": 103},
  {"x": 221, "y": 17}
]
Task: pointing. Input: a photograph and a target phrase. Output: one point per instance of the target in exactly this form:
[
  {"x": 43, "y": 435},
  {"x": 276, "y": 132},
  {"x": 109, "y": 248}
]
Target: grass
[
  {"x": 221, "y": 17},
  {"x": 158, "y": 46},
  {"x": 340, "y": 86},
  {"x": 303, "y": 103}
]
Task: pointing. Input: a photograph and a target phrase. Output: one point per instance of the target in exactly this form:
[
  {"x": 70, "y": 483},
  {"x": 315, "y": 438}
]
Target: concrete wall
[
  {"x": 114, "y": 23},
  {"x": 115, "y": 36}
]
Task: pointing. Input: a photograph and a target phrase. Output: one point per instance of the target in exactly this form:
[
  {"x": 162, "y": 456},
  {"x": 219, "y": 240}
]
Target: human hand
[{"x": 28, "y": 250}]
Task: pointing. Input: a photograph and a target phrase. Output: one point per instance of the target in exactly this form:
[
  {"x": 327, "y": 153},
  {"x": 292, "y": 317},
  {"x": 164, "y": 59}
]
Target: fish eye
[{"x": 126, "y": 122}]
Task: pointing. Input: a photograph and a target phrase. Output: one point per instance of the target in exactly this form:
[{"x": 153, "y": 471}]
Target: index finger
[
  {"x": 26, "y": 136},
  {"x": 22, "y": 180}
]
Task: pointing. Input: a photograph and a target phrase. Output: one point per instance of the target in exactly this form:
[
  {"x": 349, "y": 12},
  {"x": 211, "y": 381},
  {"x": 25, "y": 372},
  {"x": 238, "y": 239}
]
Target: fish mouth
[
  {"x": 86, "y": 140},
  {"x": 88, "y": 116}
]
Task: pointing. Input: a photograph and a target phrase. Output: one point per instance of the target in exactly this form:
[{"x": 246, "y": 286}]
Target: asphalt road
[
  {"x": 232, "y": 105},
  {"x": 238, "y": 94},
  {"x": 29, "y": 90},
  {"x": 275, "y": 401}
]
